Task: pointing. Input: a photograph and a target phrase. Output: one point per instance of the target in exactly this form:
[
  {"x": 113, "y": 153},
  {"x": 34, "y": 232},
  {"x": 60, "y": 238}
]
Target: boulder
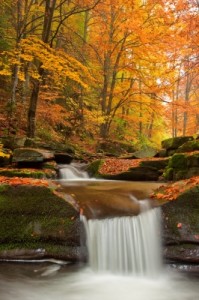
[
  {"x": 189, "y": 146},
  {"x": 36, "y": 222},
  {"x": 182, "y": 166},
  {"x": 145, "y": 152},
  {"x": 175, "y": 143},
  {"x": 31, "y": 155},
  {"x": 181, "y": 228},
  {"x": 135, "y": 174}
]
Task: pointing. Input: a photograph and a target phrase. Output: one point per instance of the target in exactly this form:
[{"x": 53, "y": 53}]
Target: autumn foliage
[
  {"x": 171, "y": 191},
  {"x": 126, "y": 70}
]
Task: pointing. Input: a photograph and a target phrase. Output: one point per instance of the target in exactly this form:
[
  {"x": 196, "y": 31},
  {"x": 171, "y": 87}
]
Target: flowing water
[{"x": 125, "y": 262}]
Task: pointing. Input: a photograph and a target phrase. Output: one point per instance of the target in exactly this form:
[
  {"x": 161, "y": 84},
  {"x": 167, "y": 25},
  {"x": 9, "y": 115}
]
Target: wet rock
[{"x": 181, "y": 227}]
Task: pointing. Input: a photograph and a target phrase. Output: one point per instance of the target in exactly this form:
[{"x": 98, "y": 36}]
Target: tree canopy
[{"x": 125, "y": 70}]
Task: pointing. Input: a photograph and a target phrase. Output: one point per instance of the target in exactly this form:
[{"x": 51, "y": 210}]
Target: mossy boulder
[
  {"x": 34, "y": 218},
  {"x": 46, "y": 172},
  {"x": 181, "y": 227},
  {"x": 182, "y": 166},
  {"x": 93, "y": 168},
  {"x": 135, "y": 174},
  {"x": 31, "y": 155},
  {"x": 175, "y": 143},
  {"x": 158, "y": 164},
  {"x": 189, "y": 146}
]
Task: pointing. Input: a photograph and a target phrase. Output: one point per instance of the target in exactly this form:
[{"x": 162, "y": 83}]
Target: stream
[{"x": 112, "y": 273}]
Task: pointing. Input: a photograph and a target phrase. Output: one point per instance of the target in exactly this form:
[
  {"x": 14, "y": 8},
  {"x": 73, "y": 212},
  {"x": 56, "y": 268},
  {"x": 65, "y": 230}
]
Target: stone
[
  {"x": 181, "y": 227},
  {"x": 31, "y": 155},
  {"x": 175, "y": 143},
  {"x": 38, "y": 222},
  {"x": 136, "y": 174}
]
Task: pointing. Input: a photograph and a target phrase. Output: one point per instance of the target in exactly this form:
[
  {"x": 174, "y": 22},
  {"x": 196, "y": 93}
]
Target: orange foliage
[
  {"x": 172, "y": 191},
  {"x": 23, "y": 181}
]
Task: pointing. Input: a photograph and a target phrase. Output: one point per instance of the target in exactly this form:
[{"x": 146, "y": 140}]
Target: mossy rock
[
  {"x": 178, "y": 161},
  {"x": 29, "y": 173},
  {"x": 31, "y": 215},
  {"x": 175, "y": 143},
  {"x": 193, "y": 160},
  {"x": 93, "y": 168},
  {"x": 168, "y": 173},
  {"x": 189, "y": 146},
  {"x": 158, "y": 164},
  {"x": 181, "y": 224},
  {"x": 135, "y": 174}
]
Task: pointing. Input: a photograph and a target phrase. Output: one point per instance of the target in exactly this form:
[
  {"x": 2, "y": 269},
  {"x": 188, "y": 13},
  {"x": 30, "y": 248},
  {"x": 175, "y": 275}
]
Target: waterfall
[
  {"x": 126, "y": 245},
  {"x": 72, "y": 171}
]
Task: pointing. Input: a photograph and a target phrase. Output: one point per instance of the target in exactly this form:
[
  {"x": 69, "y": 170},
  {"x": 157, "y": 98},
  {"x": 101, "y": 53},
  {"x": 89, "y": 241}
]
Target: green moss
[
  {"x": 50, "y": 248},
  {"x": 175, "y": 143},
  {"x": 21, "y": 173},
  {"x": 3, "y": 187},
  {"x": 33, "y": 200},
  {"x": 168, "y": 173},
  {"x": 178, "y": 161},
  {"x": 20, "y": 228},
  {"x": 189, "y": 146},
  {"x": 93, "y": 168}
]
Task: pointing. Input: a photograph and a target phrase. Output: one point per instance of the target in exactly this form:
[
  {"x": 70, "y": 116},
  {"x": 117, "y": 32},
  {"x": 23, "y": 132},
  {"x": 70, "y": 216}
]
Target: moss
[
  {"x": 34, "y": 200},
  {"x": 22, "y": 173},
  {"x": 93, "y": 168},
  {"x": 178, "y": 161},
  {"x": 175, "y": 143},
  {"x": 158, "y": 164},
  {"x": 20, "y": 228},
  {"x": 3, "y": 187},
  {"x": 189, "y": 146},
  {"x": 168, "y": 173},
  {"x": 50, "y": 248},
  {"x": 179, "y": 174}
]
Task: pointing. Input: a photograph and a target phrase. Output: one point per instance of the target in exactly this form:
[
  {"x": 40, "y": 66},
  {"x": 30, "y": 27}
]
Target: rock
[
  {"x": 158, "y": 164},
  {"x": 182, "y": 166},
  {"x": 13, "y": 142},
  {"x": 175, "y": 143},
  {"x": 37, "y": 220},
  {"x": 181, "y": 228},
  {"x": 145, "y": 152},
  {"x": 189, "y": 146},
  {"x": 136, "y": 174},
  {"x": 31, "y": 155}
]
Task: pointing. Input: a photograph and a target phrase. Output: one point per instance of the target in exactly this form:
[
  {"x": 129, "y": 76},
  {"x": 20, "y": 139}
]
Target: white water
[
  {"x": 87, "y": 285},
  {"x": 72, "y": 172},
  {"x": 126, "y": 245},
  {"x": 130, "y": 246}
]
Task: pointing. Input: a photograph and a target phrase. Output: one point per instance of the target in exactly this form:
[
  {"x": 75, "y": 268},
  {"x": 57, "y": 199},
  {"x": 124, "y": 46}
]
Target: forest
[{"x": 89, "y": 70}]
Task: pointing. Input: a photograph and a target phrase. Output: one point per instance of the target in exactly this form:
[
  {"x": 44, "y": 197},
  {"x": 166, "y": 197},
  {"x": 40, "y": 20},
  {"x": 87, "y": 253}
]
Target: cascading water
[
  {"x": 72, "y": 172},
  {"x": 126, "y": 245}
]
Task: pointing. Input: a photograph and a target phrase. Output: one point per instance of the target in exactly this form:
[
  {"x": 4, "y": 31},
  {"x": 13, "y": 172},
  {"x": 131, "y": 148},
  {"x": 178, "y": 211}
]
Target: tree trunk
[
  {"x": 48, "y": 17},
  {"x": 32, "y": 109}
]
